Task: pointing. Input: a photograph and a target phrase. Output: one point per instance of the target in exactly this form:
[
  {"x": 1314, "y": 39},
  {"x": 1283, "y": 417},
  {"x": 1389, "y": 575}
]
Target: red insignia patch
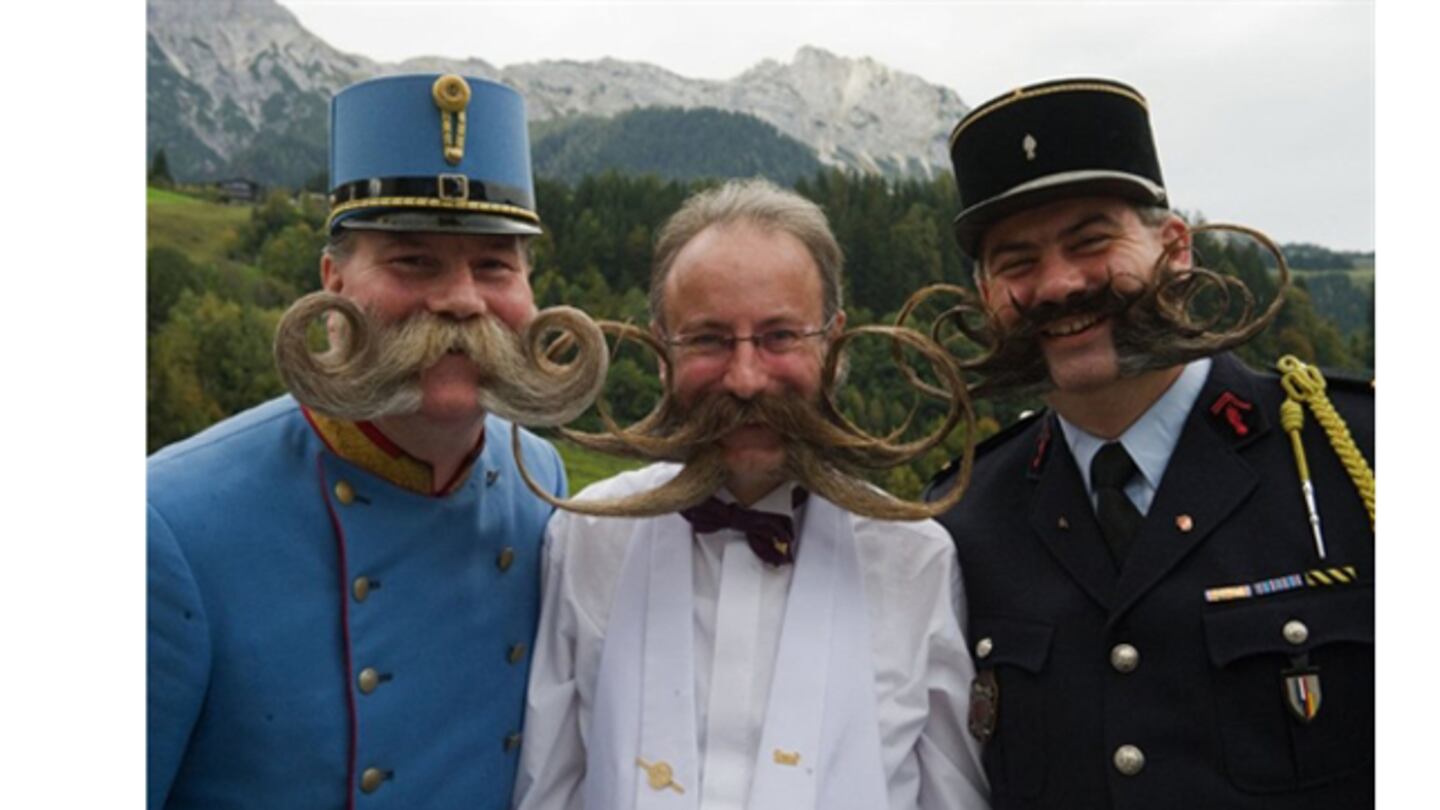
[{"x": 1233, "y": 409}]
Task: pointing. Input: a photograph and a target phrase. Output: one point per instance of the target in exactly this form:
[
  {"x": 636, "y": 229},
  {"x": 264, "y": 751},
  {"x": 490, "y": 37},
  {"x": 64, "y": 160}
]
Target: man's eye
[
  {"x": 780, "y": 340},
  {"x": 706, "y": 341},
  {"x": 1011, "y": 267},
  {"x": 1092, "y": 243},
  {"x": 410, "y": 262}
]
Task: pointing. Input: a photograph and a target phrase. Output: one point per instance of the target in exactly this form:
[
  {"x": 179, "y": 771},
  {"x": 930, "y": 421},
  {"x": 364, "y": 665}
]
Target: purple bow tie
[{"x": 771, "y": 536}]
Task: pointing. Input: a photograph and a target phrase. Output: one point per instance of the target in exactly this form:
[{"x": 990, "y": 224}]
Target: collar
[
  {"x": 362, "y": 444},
  {"x": 779, "y": 501},
  {"x": 1151, "y": 439}
]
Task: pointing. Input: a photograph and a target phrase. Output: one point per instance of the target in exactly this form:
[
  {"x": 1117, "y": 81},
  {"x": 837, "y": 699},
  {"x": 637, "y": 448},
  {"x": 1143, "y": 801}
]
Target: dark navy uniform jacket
[{"x": 1204, "y": 702}]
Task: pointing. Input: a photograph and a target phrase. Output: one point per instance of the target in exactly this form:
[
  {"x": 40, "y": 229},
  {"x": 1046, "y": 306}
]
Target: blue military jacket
[
  {"x": 1087, "y": 660},
  {"x": 322, "y": 638}
]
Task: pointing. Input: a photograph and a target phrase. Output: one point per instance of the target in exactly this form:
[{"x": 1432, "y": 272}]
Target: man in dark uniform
[{"x": 1158, "y": 617}]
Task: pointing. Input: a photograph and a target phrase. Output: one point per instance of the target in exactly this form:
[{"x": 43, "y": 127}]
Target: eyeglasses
[{"x": 718, "y": 344}]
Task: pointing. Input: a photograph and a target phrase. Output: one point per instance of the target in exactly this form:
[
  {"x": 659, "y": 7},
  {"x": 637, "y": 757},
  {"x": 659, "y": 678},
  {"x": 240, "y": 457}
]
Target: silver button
[
  {"x": 983, "y": 647},
  {"x": 1296, "y": 632},
  {"x": 1129, "y": 760},
  {"x": 1124, "y": 658}
]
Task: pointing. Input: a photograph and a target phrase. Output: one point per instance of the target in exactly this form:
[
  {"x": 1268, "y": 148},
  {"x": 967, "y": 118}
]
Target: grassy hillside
[
  {"x": 201, "y": 230},
  {"x": 585, "y": 467}
]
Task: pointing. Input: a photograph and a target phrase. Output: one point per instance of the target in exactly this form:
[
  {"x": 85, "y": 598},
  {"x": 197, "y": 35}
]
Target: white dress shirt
[{"x": 922, "y": 670}]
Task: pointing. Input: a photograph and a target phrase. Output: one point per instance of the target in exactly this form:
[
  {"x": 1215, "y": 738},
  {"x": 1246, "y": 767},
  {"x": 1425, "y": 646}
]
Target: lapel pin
[
  {"x": 791, "y": 758},
  {"x": 1184, "y": 523},
  {"x": 659, "y": 775}
]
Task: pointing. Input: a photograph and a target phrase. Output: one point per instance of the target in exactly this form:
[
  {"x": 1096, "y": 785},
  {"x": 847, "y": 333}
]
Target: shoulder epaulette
[
  {"x": 1009, "y": 432},
  {"x": 986, "y": 445}
]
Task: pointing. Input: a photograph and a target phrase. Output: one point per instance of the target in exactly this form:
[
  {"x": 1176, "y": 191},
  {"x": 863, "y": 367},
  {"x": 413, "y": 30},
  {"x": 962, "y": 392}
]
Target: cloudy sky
[{"x": 1264, "y": 111}]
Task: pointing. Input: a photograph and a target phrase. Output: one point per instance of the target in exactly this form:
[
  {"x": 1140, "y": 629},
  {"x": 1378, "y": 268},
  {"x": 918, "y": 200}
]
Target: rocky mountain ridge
[{"x": 230, "y": 82}]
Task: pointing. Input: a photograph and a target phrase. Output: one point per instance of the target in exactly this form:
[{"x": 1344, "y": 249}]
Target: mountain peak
[{"x": 230, "y": 82}]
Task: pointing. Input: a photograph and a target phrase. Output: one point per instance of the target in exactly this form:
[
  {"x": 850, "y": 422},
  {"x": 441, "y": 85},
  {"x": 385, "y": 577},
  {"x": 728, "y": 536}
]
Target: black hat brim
[
  {"x": 423, "y": 221},
  {"x": 971, "y": 224}
]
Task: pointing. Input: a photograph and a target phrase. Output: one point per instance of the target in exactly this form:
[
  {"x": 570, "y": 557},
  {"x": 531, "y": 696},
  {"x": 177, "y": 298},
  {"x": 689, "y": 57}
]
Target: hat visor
[
  {"x": 972, "y": 223},
  {"x": 436, "y": 222}
]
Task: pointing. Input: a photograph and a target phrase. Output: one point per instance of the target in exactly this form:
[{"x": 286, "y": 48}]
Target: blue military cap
[
  {"x": 433, "y": 153},
  {"x": 1048, "y": 141}
]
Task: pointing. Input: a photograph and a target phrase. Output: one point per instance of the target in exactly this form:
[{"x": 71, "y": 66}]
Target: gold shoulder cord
[{"x": 1305, "y": 384}]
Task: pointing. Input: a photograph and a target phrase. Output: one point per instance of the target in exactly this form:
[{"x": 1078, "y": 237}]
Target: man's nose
[
  {"x": 745, "y": 374},
  {"x": 1056, "y": 280},
  {"x": 457, "y": 295}
]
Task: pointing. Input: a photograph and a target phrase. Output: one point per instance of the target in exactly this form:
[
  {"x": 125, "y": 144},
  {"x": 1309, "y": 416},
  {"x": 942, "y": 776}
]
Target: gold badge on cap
[{"x": 452, "y": 95}]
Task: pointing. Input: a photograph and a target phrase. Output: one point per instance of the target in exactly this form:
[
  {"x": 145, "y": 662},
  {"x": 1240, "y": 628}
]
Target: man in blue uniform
[
  {"x": 341, "y": 608},
  {"x": 1158, "y": 618}
]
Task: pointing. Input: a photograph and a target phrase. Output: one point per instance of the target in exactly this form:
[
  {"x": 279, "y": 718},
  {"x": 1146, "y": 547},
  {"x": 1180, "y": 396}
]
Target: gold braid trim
[
  {"x": 1305, "y": 384},
  {"x": 501, "y": 209}
]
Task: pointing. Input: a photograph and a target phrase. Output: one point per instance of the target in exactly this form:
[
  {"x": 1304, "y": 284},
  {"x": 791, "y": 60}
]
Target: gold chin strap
[{"x": 1305, "y": 384}]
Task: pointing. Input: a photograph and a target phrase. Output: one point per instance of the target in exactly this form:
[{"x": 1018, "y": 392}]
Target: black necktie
[{"x": 1120, "y": 521}]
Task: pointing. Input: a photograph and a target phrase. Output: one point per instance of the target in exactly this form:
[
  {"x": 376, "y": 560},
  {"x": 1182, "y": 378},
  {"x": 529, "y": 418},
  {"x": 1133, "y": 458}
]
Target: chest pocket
[
  {"x": 1279, "y": 658},
  {"x": 1016, "y": 652}
]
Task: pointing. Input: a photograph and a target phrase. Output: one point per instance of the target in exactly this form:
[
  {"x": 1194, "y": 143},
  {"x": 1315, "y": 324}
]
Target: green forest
[{"x": 219, "y": 276}]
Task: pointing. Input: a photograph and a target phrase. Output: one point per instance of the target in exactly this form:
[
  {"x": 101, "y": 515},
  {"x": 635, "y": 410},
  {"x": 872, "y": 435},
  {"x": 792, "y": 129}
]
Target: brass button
[
  {"x": 517, "y": 653},
  {"x": 369, "y": 679},
  {"x": 1124, "y": 658},
  {"x": 371, "y": 779},
  {"x": 1129, "y": 760},
  {"x": 1296, "y": 632},
  {"x": 361, "y": 588},
  {"x": 344, "y": 493},
  {"x": 983, "y": 647},
  {"x": 512, "y": 741},
  {"x": 507, "y": 556}
]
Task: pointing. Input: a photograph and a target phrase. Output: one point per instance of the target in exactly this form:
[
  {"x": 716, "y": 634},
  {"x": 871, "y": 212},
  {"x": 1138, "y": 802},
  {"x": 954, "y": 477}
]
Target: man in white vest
[{"x": 766, "y": 649}]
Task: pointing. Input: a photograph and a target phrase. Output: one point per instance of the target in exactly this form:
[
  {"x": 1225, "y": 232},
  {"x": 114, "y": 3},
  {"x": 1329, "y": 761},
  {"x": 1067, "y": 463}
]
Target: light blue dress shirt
[{"x": 1150, "y": 440}]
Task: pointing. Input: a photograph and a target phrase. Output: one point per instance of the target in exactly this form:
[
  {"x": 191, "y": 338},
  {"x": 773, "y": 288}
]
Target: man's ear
[
  {"x": 1176, "y": 237},
  {"x": 330, "y": 279}
]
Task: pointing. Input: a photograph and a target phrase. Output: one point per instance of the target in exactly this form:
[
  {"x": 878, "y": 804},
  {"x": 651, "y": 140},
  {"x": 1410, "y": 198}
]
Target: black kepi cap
[{"x": 1049, "y": 141}]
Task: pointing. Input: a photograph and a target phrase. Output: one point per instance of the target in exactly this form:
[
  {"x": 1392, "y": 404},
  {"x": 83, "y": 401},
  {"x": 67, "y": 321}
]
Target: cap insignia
[
  {"x": 1029, "y": 145},
  {"x": 452, "y": 95}
]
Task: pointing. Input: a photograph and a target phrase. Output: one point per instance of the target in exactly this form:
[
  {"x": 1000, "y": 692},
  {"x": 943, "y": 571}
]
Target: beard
[
  {"x": 373, "y": 368},
  {"x": 1156, "y": 322}
]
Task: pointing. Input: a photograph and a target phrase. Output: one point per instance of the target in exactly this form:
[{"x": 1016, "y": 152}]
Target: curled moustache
[
  {"x": 373, "y": 369},
  {"x": 823, "y": 448}
]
